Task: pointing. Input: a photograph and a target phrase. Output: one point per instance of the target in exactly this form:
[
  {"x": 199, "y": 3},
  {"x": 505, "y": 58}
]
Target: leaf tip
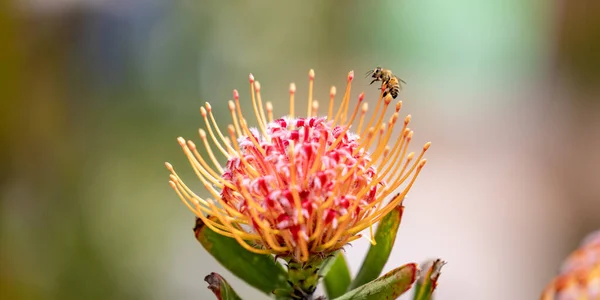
[
  {"x": 214, "y": 283},
  {"x": 198, "y": 226},
  {"x": 434, "y": 270}
]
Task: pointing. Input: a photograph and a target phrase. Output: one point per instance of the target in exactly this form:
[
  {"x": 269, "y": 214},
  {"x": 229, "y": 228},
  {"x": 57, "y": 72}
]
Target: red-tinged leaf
[
  {"x": 378, "y": 254},
  {"x": 220, "y": 287},
  {"x": 427, "y": 283},
  {"x": 259, "y": 271},
  {"x": 389, "y": 286}
]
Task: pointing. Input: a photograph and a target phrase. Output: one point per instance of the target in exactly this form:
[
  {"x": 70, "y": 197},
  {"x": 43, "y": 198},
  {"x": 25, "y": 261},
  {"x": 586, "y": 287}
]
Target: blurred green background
[{"x": 94, "y": 93}]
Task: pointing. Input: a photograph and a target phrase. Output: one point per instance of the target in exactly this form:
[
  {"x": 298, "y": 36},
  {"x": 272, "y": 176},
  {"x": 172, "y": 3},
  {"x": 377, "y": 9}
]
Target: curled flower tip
[
  {"x": 386, "y": 151},
  {"x": 398, "y": 106},
  {"x": 257, "y": 86},
  {"x": 208, "y": 107},
  {"x": 292, "y": 88},
  {"x": 251, "y": 77},
  {"x": 203, "y": 111},
  {"x": 169, "y": 166},
  {"x": 365, "y": 107},
  {"x": 388, "y": 99},
  {"x": 427, "y": 145},
  {"x": 407, "y": 119},
  {"x": 332, "y": 91},
  {"x": 173, "y": 178},
  {"x": 315, "y": 107},
  {"x": 231, "y": 105},
  {"x": 173, "y": 185},
  {"x": 181, "y": 141},
  {"x": 236, "y": 95},
  {"x": 311, "y": 74},
  {"x": 361, "y": 97},
  {"x": 202, "y": 133},
  {"x": 350, "y": 75}
]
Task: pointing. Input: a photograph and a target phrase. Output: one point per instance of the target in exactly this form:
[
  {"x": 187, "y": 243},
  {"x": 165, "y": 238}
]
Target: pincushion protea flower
[
  {"x": 579, "y": 278},
  {"x": 301, "y": 188}
]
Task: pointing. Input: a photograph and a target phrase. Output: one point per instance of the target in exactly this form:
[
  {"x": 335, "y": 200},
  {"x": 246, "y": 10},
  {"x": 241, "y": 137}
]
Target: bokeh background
[{"x": 93, "y": 94}]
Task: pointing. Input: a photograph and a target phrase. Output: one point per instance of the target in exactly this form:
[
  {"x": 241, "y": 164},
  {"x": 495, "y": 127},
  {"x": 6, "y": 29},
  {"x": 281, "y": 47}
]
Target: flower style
[{"x": 299, "y": 187}]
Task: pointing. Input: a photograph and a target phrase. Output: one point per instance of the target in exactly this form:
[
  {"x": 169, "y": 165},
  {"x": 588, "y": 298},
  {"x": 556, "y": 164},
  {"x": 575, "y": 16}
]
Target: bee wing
[{"x": 400, "y": 79}]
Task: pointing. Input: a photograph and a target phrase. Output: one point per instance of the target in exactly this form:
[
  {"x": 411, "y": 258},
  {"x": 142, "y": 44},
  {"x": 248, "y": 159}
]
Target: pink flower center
[{"x": 327, "y": 175}]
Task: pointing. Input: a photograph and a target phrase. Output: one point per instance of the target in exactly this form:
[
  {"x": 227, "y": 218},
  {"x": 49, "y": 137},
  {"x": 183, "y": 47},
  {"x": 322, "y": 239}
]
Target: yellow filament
[
  {"x": 269, "y": 106},
  {"x": 214, "y": 177},
  {"x": 345, "y": 99},
  {"x": 253, "y": 173},
  {"x": 363, "y": 112},
  {"x": 261, "y": 109},
  {"x": 331, "y": 100},
  {"x": 231, "y": 210},
  {"x": 379, "y": 100},
  {"x": 221, "y": 136},
  {"x": 292, "y": 92},
  {"x": 339, "y": 139},
  {"x": 240, "y": 240},
  {"x": 317, "y": 161},
  {"x": 261, "y": 125},
  {"x": 293, "y": 182},
  {"x": 190, "y": 195},
  {"x": 396, "y": 150},
  {"x": 209, "y": 151},
  {"x": 246, "y": 194},
  {"x": 382, "y": 212},
  {"x": 202, "y": 174},
  {"x": 378, "y": 124},
  {"x": 417, "y": 163},
  {"x": 311, "y": 77},
  {"x": 303, "y": 247},
  {"x": 235, "y": 119},
  {"x": 252, "y": 138},
  {"x": 210, "y": 132},
  {"x": 187, "y": 198},
  {"x": 338, "y": 232},
  {"x": 315, "y": 108}
]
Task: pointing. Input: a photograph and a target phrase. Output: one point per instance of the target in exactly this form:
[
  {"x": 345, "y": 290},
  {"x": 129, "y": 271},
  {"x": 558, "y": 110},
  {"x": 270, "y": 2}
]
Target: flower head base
[{"x": 296, "y": 187}]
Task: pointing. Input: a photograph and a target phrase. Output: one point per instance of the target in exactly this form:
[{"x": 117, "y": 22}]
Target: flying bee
[
  {"x": 380, "y": 74},
  {"x": 387, "y": 78}
]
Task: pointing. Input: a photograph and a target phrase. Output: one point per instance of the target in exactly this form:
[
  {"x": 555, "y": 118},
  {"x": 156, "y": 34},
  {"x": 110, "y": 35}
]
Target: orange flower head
[
  {"x": 296, "y": 187},
  {"x": 579, "y": 277}
]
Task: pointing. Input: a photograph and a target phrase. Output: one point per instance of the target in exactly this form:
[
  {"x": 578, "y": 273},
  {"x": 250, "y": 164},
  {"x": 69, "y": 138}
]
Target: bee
[{"x": 387, "y": 78}]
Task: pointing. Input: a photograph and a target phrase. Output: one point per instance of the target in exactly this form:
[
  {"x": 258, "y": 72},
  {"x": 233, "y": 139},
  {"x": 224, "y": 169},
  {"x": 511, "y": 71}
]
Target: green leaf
[
  {"x": 337, "y": 276},
  {"x": 426, "y": 284},
  {"x": 260, "y": 271},
  {"x": 389, "y": 286},
  {"x": 379, "y": 253},
  {"x": 220, "y": 287}
]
